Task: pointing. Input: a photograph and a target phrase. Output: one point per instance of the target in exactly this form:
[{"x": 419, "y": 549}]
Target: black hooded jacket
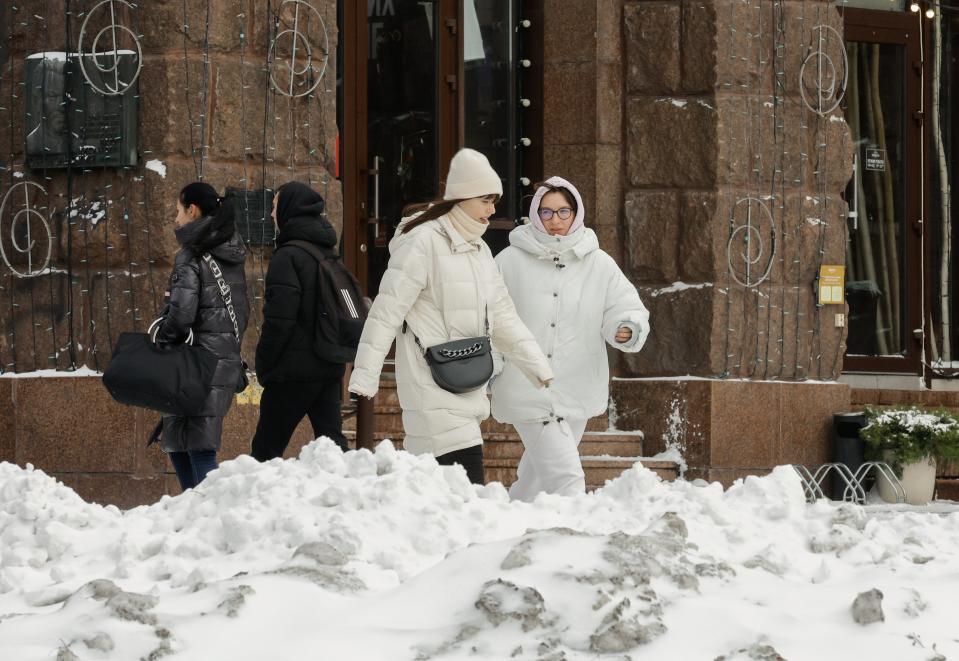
[
  {"x": 285, "y": 352},
  {"x": 194, "y": 303}
]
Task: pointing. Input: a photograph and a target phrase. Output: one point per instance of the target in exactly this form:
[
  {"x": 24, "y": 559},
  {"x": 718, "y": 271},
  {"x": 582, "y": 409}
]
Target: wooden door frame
[
  {"x": 353, "y": 144},
  {"x": 886, "y": 27},
  {"x": 450, "y": 114}
]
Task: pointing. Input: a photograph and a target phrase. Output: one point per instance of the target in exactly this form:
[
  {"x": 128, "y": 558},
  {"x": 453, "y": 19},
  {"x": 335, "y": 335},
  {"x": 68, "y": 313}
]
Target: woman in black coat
[
  {"x": 196, "y": 311},
  {"x": 296, "y": 380}
]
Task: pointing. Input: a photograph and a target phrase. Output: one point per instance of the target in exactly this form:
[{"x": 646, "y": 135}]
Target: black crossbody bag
[{"x": 459, "y": 366}]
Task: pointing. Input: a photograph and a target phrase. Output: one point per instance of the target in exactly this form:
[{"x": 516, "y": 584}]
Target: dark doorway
[{"x": 883, "y": 259}]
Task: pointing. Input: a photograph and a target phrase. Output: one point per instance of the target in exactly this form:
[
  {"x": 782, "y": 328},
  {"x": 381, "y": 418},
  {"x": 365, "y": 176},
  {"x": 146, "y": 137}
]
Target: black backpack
[{"x": 341, "y": 307}]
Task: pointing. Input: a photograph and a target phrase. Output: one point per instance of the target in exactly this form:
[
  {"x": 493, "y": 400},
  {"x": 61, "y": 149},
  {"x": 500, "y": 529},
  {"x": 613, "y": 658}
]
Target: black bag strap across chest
[
  {"x": 311, "y": 248},
  {"x": 226, "y": 293}
]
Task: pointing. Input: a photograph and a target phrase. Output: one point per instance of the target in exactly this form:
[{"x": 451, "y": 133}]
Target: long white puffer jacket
[
  {"x": 442, "y": 286},
  {"x": 573, "y": 297}
]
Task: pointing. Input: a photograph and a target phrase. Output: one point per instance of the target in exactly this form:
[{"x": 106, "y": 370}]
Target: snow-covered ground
[{"x": 386, "y": 556}]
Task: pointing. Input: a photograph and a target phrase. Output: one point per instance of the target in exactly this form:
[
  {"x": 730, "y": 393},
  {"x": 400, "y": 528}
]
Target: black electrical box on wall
[
  {"x": 253, "y": 210},
  {"x": 61, "y": 102}
]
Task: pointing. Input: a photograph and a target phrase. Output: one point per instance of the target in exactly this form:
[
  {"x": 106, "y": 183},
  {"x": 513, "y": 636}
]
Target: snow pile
[{"x": 389, "y": 556}]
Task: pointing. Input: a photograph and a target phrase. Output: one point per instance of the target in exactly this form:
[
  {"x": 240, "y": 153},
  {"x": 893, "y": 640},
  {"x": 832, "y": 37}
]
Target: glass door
[
  {"x": 399, "y": 118},
  {"x": 883, "y": 265}
]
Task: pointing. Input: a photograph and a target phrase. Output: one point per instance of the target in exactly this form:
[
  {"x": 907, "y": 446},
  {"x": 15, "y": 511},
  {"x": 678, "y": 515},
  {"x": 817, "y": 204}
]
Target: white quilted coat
[
  {"x": 441, "y": 285},
  {"x": 573, "y": 297}
]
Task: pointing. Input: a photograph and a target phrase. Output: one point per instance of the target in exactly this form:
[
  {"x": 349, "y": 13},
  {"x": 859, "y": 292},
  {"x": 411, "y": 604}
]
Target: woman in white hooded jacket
[
  {"x": 575, "y": 300},
  {"x": 441, "y": 284}
]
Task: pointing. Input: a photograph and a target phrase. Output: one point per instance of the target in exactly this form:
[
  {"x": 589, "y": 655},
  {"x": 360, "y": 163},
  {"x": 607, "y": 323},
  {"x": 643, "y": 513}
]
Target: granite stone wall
[
  {"x": 684, "y": 124},
  {"x": 207, "y": 110}
]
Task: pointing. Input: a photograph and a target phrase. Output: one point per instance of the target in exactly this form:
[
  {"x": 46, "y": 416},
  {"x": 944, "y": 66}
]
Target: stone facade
[
  {"x": 70, "y": 428},
  {"x": 207, "y": 110},
  {"x": 672, "y": 116},
  {"x": 682, "y": 122},
  {"x": 717, "y": 131},
  {"x": 726, "y": 430}
]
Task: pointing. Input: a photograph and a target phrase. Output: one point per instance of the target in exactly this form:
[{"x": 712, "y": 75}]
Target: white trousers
[{"x": 550, "y": 460}]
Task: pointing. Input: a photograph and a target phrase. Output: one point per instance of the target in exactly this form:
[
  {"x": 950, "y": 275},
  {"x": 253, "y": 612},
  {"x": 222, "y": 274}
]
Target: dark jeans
[
  {"x": 283, "y": 405},
  {"x": 192, "y": 467},
  {"x": 469, "y": 458}
]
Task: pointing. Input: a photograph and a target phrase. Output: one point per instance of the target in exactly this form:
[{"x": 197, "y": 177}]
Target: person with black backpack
[
  {"x": 206, "y": 306},
  {"x": 312, "y": 320}
]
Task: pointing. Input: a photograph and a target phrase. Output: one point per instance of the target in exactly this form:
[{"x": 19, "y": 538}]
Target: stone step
[
  {"x": 599, "y": 423},
  {"x": 605, "y": 455},
  {"x": 947, "y": 488},
  {"x": 389, "y": 419},
  {"x": 508, "y": 444},
  {"x": 386, "y": 396},
  {"x": 598, "y": 470},
  {"x": 624, "y": 444}
]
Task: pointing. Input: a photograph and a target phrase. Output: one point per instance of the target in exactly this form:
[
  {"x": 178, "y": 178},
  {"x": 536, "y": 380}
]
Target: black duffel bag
[{"x": 170, "y": 378}]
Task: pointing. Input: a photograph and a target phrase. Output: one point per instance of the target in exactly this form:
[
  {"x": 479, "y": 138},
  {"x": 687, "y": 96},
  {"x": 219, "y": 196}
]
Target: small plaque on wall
[
  {"x": 832, "y": 285},
  {"x": 68, "y": 123},
  {"x": 876, "y": 160}
]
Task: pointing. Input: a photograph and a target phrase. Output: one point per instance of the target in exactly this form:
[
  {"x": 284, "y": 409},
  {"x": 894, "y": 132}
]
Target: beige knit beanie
[{"x": 471, "y": 175}]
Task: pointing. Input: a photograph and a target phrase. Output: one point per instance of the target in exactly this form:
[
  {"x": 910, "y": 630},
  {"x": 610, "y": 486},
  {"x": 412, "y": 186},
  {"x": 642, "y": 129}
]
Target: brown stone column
[
  {"x": 717, "y": 131},
  {"x": 685, "y": 121},
  {"x": 583, "y": 108}
]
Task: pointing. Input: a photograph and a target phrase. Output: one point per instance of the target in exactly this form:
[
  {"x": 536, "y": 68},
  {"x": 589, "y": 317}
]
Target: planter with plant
[{"x": 912, "y": 441}]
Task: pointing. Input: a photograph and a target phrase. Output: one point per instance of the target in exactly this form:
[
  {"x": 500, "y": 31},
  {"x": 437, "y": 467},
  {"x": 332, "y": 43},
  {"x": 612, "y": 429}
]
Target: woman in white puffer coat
[
  {"x": 442, "y": 282},
  {"x": 574, "y": 299}
]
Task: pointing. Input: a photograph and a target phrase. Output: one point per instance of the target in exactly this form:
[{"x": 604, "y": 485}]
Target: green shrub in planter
[{"x": 911, "y": 434}]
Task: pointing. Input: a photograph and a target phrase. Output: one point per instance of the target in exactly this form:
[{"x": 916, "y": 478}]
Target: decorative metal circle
[
  {"x": 748, "y": 237},
  {"x": 825, "y": 92},
  {"x": 108, "y": 61},
  {"x": 23, "y": 219},
  {"x": 311, "y": 68}
]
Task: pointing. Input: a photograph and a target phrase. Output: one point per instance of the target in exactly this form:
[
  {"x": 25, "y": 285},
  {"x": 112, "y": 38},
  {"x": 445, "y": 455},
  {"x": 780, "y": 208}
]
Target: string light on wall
[
  {"x": 931, "y": 7},
  {"x": 526, "y": 91}
]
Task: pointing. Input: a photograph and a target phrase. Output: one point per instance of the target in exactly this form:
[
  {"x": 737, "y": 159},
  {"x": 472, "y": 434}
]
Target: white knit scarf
[{"x": 465, "y": 225}]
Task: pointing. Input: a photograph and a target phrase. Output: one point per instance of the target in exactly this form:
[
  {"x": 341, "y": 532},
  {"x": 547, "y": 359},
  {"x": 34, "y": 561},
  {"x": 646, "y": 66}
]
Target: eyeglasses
[{"x": 564, "y": 213}]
